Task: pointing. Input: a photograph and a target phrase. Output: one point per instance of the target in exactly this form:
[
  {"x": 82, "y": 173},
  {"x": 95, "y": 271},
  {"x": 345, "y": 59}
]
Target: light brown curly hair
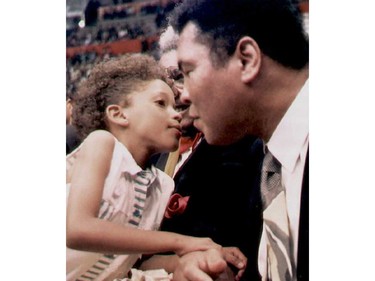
[{"x": 109, "y": 83}]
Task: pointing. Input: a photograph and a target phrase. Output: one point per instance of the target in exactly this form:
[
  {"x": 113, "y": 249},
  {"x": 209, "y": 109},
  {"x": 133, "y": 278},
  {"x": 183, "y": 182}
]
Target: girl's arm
[
  {"x": 167, "y": 262},
  {"x": 87, "y": 232}
]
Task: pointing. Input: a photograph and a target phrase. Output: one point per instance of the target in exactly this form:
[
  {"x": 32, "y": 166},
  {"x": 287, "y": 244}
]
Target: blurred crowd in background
[{"x": 99, "y": 29}]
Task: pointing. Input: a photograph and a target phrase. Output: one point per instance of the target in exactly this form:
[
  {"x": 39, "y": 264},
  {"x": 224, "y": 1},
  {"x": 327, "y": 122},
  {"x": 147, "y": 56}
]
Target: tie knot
[{"x": 270, "y": 163}]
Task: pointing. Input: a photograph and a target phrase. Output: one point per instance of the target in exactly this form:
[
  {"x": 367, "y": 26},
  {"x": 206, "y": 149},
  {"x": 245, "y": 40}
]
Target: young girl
[{"x": 125, "y": 113}]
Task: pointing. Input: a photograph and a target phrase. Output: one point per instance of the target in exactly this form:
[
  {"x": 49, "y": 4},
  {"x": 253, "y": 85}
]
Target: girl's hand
[
  {"x": 235, "y": 259},
  {"x": 192, "y": 244}
]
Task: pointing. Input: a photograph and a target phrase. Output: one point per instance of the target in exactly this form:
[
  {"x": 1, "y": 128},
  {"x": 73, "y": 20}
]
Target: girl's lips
[
  {"x": 177, "y": 127},
  {"x": 178, "y": 130}
]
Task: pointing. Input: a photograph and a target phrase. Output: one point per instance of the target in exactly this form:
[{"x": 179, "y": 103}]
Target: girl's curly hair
[{"x": 108, "y": 83}]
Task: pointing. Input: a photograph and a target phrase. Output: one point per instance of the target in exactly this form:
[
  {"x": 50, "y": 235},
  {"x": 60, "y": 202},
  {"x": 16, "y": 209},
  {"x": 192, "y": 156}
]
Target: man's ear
[
  {"x": 115, "y": 114},
  {"x": 249, "y": 54}
]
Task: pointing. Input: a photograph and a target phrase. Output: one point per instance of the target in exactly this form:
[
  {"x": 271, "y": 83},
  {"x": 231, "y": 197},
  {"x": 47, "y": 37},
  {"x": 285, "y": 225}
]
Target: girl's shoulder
[
  {"x": 96, "y": 148},
  {"x": 100, "y": 137},
  {"x": 99, "y": 141}
]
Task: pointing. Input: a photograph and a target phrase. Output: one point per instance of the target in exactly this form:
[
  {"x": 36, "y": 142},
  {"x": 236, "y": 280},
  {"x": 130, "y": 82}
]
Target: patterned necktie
[{"x": 276, "y": 223}]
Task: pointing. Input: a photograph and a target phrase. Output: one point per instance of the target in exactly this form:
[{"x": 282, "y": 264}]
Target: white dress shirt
[{"x": 289, "y": 144}]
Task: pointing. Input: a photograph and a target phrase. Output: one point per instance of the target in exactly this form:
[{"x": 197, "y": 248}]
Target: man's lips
[{"x": 196, "y": 123}]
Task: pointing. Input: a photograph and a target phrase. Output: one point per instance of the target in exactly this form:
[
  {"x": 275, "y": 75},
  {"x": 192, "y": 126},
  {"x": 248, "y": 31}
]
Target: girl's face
[{"x": 152, "y": 117}]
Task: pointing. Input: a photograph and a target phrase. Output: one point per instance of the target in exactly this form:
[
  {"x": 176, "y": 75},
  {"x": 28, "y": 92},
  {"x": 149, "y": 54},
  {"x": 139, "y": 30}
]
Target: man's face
[
  {"x": 169, "y": 61},
  {"x": 217, "y": 105}
]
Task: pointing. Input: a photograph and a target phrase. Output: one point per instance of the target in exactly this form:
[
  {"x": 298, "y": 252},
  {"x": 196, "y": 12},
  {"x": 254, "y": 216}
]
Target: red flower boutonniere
[{"x": 176, "y": 205}]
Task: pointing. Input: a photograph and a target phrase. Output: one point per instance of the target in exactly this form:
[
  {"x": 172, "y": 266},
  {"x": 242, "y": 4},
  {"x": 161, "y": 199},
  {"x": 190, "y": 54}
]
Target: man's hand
[
  {"x": 233, "y": 256},
  {"x": 200, "y": 266}
]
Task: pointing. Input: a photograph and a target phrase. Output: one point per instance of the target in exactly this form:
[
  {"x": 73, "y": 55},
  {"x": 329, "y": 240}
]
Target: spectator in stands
[
  {"x": 245, "y": 65},
  {"x": 72, "y": 140},
  {"x": 91, "y": 12},
  {"x": 225, "y": 176},
  {"x": 125, "y": 113},
  {"x": 69, "y": 108}
]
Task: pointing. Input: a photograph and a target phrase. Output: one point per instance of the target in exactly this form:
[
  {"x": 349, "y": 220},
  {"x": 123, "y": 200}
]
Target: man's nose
[{"x": 184, "y": 97}]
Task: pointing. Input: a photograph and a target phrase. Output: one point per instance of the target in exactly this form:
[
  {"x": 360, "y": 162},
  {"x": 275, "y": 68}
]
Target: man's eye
[
  {"x": 179, "y": 79},
  {"x": 178, "y": 109},
  {"x": 181, "y": 107}
]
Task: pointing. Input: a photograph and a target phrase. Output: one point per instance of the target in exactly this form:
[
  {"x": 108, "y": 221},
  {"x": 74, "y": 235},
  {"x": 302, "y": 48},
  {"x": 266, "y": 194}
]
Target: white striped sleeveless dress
[{"x": 132, "y": 197}]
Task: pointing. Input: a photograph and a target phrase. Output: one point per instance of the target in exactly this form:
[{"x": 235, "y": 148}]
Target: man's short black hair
[{"x": 276, "y": 26}]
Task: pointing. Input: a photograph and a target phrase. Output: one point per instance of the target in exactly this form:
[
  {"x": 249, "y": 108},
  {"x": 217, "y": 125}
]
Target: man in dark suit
[
  {"x": 222, "y": 186},
  {"x": 245, "y": 64},
  {"x": 219, "y": 185}
]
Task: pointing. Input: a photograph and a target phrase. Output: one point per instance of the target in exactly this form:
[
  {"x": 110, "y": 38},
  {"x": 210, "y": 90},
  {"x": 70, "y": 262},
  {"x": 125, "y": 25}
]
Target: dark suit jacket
[{"x": 224, "y": 204}]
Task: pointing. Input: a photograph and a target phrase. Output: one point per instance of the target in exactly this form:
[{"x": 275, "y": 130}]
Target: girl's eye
[{"x": 162, "y": 103}]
